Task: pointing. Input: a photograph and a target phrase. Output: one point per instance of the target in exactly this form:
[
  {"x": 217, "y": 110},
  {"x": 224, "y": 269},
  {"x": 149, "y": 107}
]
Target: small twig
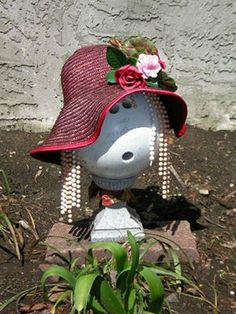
[
  {"x": 221, "y": 201},
  {"x": 175, "y": 154},
  {"x": 33, "y": 229},
  {"x": 176, "y": 175},
  {"x": 224, "y": 200},
  {"x": 229, "y": 196},
  {"x": 213, "y": 222}
]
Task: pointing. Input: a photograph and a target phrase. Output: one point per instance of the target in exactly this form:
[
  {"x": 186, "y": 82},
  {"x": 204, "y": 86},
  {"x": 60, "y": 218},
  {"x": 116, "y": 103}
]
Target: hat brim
[{"x": 50, "y": 150}]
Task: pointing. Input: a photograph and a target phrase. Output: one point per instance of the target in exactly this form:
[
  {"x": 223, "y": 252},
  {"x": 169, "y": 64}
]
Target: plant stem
[{"x": 5, "y": 183}]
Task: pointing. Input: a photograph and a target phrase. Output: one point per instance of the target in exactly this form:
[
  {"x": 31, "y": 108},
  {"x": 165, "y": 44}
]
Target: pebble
[
  {"x": 172, "y": 298},
  {"x": 232, "y": 292},
  {"x": 204, "y": 192}
]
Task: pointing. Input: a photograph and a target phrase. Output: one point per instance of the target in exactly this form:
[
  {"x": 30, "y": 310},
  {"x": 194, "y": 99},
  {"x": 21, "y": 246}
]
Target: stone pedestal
[
  {"x": 176, "y": 233},
  {"x": 113, "y": 222}
]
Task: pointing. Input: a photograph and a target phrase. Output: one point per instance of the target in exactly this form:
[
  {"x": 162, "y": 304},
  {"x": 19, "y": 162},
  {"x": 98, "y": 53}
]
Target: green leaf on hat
[
  {"x": 135, "y": 45},
  {"x": 152, "y": 84},
  {"x": 166, "y": 82},
  {"x": 115, "y": 57},
  {"x": 132, "y": 61},
  {"x": 110, "y": 77}
]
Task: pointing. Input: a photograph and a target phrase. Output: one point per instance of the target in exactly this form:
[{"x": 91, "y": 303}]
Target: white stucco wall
[{"x": 197, "y": 38}]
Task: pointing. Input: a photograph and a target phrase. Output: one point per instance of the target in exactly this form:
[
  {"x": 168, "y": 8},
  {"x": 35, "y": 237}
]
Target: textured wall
[{"x": 197, "y": 38}]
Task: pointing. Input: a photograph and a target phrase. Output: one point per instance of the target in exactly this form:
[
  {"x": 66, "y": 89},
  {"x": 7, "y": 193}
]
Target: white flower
[{"x": 148, "y": 65}]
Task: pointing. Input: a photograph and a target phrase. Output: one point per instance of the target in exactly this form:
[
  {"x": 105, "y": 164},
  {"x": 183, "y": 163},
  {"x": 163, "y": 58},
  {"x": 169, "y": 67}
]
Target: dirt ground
[{"x": 205, "y": 162}]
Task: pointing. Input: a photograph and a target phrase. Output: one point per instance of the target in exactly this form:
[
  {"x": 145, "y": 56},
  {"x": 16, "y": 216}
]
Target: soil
[{"x": 205, "y": 162}]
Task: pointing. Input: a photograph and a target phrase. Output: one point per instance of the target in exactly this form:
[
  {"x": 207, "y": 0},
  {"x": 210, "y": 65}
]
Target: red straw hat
[{"x": 87, "y": 99}]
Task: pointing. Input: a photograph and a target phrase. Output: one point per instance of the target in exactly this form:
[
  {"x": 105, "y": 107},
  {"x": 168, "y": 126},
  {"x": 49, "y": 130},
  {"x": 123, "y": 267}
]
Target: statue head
[{"x": 119, "y": 105}]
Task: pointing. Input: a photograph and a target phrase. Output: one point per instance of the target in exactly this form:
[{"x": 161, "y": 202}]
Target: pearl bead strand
[
  {"x": 163, "y": 119},
  {"x": 66, "y": 191},
  {"x": 78, "y": 201},
  {"x": 163, "y": 151},
  {"x": 70, "y": 190},
  {"x": 153, "y": 130}
]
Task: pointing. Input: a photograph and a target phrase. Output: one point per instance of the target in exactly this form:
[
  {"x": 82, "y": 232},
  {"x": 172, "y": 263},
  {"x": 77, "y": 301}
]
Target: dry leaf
[
  {"x": 193, "y": 291},
  {"x": 27, "y": 308},
  {"x": 55, "y": 293}
]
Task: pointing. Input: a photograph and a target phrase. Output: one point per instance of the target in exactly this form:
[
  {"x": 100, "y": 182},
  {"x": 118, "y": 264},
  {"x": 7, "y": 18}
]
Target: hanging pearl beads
[
  {"x": 70, "y": 191},
  {"x": 153, "y": 130},
  {"x": 78, "y": 184},
  {"x": 66, "y": 182},
  {"x": 163, "y": 170},
  {"x": 163, "y": 151}
]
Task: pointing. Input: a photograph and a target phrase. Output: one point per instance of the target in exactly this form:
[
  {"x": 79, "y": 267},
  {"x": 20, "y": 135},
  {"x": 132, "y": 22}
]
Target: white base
[{"x": 113, "y": 222}]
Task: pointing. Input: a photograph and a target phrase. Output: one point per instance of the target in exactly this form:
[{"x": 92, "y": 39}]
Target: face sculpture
[
  {"x": 134, "y": 132},
  {"x": 128, "y": 142},
  {"x": 132, "y": 136}
]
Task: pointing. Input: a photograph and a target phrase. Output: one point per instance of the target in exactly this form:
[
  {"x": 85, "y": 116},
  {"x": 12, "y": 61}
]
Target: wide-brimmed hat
[{"x": 88, "y": 97}]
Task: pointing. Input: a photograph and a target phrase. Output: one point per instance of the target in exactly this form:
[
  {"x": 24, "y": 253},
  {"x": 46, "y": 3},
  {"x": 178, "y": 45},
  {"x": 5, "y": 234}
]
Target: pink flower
[
  {"x": 129, "y": 77},
  {"x": 148, "y": 65}
]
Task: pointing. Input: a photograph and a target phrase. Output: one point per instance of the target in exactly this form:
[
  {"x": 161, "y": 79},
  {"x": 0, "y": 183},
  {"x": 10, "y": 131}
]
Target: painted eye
[
  {"x": 114, "y": 109},
  {"x": 126, "y": 104}
]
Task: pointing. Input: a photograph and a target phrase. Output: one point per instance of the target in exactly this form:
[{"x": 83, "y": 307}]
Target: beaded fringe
[
  {"x": 70, "y": 190},
  {"x": 163, "y": 167}
]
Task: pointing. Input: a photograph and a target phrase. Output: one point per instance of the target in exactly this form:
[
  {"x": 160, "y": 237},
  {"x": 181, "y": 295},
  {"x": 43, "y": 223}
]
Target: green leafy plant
[
  {"x": 120, "y": 285},
  {"x": 123, "y": 284}
]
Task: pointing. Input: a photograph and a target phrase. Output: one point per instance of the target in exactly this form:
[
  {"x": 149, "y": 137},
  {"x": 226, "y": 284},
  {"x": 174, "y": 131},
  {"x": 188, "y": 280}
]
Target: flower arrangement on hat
[{"x": 136, "y": 63}]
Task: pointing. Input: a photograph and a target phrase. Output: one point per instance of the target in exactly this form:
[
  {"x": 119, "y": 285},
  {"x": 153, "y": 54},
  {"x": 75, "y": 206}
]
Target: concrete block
[{"x": 175, "y": 233}]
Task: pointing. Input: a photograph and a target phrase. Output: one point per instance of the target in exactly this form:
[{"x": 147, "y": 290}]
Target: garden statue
[{"x": 119, "y": 107}]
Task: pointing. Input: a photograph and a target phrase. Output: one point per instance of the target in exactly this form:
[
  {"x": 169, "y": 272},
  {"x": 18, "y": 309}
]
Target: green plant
[
  {"x": 5, "y": 182},
  {"x": 7, "y": 231},
  {"x": 13, "y": 233},
  {"x": 124, "y": 284}
]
